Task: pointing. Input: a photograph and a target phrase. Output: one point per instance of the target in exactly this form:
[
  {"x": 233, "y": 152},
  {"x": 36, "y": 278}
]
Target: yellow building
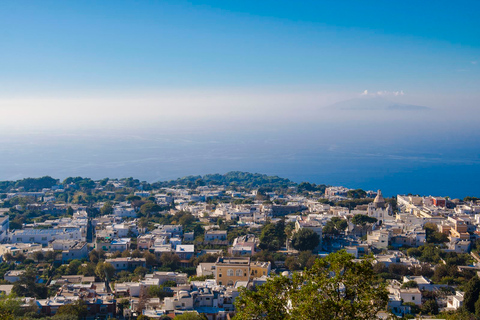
[
  {"x": 259, "y": 268},
  {"x": 230, "y": 270}
]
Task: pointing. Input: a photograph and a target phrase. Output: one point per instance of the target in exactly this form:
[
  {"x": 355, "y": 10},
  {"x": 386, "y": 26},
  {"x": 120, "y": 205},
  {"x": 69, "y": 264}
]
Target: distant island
[{"x": 374, "y": 103}]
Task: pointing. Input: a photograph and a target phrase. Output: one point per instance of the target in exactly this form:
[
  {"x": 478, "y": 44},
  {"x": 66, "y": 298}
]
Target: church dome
[{"x": 379, "y": 200}]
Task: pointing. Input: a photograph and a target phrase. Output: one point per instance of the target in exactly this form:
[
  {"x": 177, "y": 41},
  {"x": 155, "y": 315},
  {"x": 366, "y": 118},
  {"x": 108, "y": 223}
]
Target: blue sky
[{"x": 105, "y": 49}]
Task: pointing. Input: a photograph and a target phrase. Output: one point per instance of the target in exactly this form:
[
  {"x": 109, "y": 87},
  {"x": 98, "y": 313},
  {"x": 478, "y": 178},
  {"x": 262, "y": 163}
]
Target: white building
[
  {"x": 456, "y": 301},
  {"x": 379, "y": 209},
  {"x": 213, "y": 235},
  {"x": 13, "y": 275},
  {"x": 44, "y": 236},
  {"x": 124, "y": 212},
  {"x": 378, "y": 238},
  {"x": 78, "y": 251}
]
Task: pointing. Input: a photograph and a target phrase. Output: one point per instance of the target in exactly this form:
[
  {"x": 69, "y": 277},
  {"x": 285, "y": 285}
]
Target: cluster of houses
[{"x": 74, "y": 237}]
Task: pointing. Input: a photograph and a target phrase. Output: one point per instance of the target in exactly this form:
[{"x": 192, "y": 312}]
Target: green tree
[
  {"x": 106, "y": 209},
  {"x": 430, "y": 307},
  {"x": 26, "y": 286},
  {"x": 356, "y": 194},
  {"x": 305, "y": 239},
  {"x": 123, "y": 304},
  {"x": 472, "y": 293},
  {"x": 335, "y": 226},
  {"x": 159, "y": 292},
  {"x": 96, "y": 255},
  {"x": 149, "y": 208},
  {"x": 73, "y": 267},
  {"x": 87, "y": 269},
  {"x": 268, "y": 238},
  {"x": 335, "y": 287},
  {"x": 304, "y": 260},
  {"x": 38, "y": 256},
  {"x": 362, "y": 220},
  {"x": 10, "y": 307},
  {"x": 170, "y": 260},
  {"x": 432, "y": 234},
  {"x": 150, "y": 259},
  {"x": 78, "y": 309},
  {"x": 191, "y": 316},
  {"x": 140, "y": 271},
  {"x": 104, "y": 271}
]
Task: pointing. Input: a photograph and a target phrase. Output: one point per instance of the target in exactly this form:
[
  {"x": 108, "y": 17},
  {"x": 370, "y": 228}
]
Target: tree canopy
[
  {"x": 362, "y": 220},
  {"x": 335, "y": 287},
  {"x": 335, "y": 226},
  {"x": 305, "y": 239}
]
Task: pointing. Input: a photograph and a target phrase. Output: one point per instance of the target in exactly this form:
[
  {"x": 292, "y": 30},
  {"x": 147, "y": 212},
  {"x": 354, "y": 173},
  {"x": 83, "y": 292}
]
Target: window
[
  {"x": 220, "y": 275},
  {"x": 239, "y": 272},
  {"x": 230, "y": 283},
  {"x": 413, "y": 298},
  {"x": 230, "y": 273}
]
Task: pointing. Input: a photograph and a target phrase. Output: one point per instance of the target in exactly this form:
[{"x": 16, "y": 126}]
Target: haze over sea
[{"x": 398, "y": 152}]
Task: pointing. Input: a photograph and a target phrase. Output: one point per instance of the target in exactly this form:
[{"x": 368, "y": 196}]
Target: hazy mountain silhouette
[{"x": 373, "y": 103}]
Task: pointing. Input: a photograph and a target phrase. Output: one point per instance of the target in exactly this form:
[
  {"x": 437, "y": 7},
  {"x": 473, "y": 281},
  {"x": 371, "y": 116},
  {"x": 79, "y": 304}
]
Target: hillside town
[{"x": 126, "y": 249}]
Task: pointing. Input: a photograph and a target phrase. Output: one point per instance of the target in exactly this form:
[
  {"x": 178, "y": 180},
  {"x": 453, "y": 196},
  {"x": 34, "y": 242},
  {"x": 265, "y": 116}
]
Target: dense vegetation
[
  {"x": 233, "y": 178},
  {"x": 315, "y": 293},
  {"x": 28, "y": 184}
]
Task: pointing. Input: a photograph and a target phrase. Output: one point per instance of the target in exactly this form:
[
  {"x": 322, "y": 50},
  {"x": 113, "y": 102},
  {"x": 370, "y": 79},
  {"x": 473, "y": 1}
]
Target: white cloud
[
  {"x": 473, "y": 62},
  {"x": 383, "y": 93}
]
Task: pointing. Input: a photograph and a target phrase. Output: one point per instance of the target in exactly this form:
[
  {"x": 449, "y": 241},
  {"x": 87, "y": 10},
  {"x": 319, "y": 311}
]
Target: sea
[{"x": 435, "y": 158}]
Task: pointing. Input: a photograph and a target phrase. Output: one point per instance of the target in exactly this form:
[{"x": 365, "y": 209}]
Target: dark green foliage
[
  {"x": 356, "y": 194},
  {"x": 472, "y": 293},
  {"x": 409, "y": 284},
  {"x": 429, "y": 307},
  {"x": 304, "y": 260},
  {"x": 468, "y": 199},
  {"x": 273, "y": 236},
  {"x": 77, "y": 309},
  {"x": 107, "y": 208},
  {"x": 352, "y": 203},
  {"x": 233, "y": 178},
  {"x": 26, "y": 286},
  {"x": 305, "y": 239},
  {"x": 314, "y": 294},
  {"x": 191, "y": 316},
  {"x": 433, "y": 236},
  {"x": 311, "y": 187},
  {"x": 149, "y": 208},
  {"x": 82, "y": 183},
  {"x": 362, "y": 220},
  {"x": 159, "y": 291},
  {"x": 335, "y": 226},
  {"x": 28, "y": 184}
]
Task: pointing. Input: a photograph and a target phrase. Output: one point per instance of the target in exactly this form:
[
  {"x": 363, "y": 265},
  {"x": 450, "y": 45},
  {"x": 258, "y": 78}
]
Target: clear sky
[{"x": 192, "y": 55}]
